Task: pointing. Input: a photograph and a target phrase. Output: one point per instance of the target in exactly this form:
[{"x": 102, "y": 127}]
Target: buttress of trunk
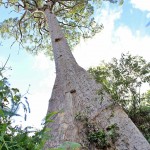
[{"x": 76, "y": 94}]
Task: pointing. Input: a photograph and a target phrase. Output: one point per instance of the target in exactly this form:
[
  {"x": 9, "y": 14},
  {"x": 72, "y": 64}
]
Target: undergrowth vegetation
[
  {"x": 95, "y": 136},
  {"x": 13, "y": 137}
]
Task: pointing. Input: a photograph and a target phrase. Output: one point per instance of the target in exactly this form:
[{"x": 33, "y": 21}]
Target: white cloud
[
  {"x": 90, "y": 52},
  {"x": 135, "y": 44},
  {"x": 42, "y": 62},
  {"x": 40, "y": 91},
  {"x": 111, "y": 43},
  {"x": 143, "y": 5},
  {"x": 38, "y": 101},
  {"x": 38, "y": 104},
  {"x": 148, "y": 15},
  {"x": 40, "y": 94}
]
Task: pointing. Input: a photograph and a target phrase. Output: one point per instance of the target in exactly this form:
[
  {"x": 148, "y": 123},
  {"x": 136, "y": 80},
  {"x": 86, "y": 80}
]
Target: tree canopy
[{"x": 28, "y": 23}]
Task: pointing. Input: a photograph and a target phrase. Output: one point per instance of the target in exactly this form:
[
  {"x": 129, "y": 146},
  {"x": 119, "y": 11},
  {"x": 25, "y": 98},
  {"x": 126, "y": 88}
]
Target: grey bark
[{"x": 76, "y": 92}]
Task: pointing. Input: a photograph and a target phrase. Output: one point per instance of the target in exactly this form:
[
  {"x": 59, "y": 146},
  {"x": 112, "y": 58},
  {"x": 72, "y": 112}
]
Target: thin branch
[
  {"x": 5, "y": 63},
  {"x": 35, "y": 3},
  {"x": 66, "y": 24},
  {"x": 20, "y": 24},
  {"x": 44, "y": 29},
  {"x": 69, "y": 6}
]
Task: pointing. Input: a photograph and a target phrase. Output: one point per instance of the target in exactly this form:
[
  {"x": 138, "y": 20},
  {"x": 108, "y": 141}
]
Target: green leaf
[
  {"x": 15, "y": 90},
  {"x": 16, "y": 98},
  {"x": 1, "y": 83},
  {"x": 1, "y": 138},
  {"x": 2, "y": 113},
  {"x": 48, "y": 116}
]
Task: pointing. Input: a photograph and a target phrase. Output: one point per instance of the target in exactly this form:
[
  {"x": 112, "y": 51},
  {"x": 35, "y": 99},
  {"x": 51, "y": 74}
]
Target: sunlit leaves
[
  {"x": 81, "y": 20},
  {"x": 30, "y": 29},
  {"x": 125, "y": 80}
]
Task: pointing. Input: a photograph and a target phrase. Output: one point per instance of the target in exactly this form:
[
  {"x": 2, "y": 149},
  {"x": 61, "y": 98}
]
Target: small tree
[{"x": 124, "y": 80}]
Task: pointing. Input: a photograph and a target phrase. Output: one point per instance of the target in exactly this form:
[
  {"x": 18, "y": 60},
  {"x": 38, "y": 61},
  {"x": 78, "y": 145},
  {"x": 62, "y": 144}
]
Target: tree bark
[{"x": 75, "y": 93}]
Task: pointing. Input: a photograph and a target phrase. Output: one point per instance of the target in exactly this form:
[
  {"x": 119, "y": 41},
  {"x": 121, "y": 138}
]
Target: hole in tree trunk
[
  {"x": 73, "y": 91},
  {"x": 57, "y": 39}
]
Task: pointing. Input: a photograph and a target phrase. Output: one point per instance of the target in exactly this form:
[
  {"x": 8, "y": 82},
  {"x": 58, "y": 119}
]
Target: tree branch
[{"x": 20, "y": 24}]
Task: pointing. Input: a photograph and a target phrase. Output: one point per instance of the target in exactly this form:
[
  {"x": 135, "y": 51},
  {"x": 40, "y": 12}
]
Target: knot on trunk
[
  {"x": 57, "y": 39},
  {"x": 73, "y": 91}
]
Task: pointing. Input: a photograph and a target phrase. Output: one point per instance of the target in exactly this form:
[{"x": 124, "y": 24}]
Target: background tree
[{"x": 124, "y": 79}]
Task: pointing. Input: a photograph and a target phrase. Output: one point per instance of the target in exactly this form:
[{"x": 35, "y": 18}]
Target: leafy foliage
[
  {"x": 96, "y": 136},
  {"x": 14, "y": 137},
  {"x": 10, "y": 98},
  {"x": 29, "y": 26},
  {"x": 124, "y": 80},
  {"x": 102, "y": 139},
  {"x": 99, "y": 138}
]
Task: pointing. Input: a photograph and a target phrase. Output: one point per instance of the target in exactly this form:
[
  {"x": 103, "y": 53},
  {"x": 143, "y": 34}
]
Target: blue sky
[
  {"x": 124, "y": 31},
  {"x": 134, "y": 18}
]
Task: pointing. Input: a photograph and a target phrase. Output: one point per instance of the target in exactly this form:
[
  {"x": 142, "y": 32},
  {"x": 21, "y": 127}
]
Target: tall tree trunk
[{"x": 76, "y": 96}]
